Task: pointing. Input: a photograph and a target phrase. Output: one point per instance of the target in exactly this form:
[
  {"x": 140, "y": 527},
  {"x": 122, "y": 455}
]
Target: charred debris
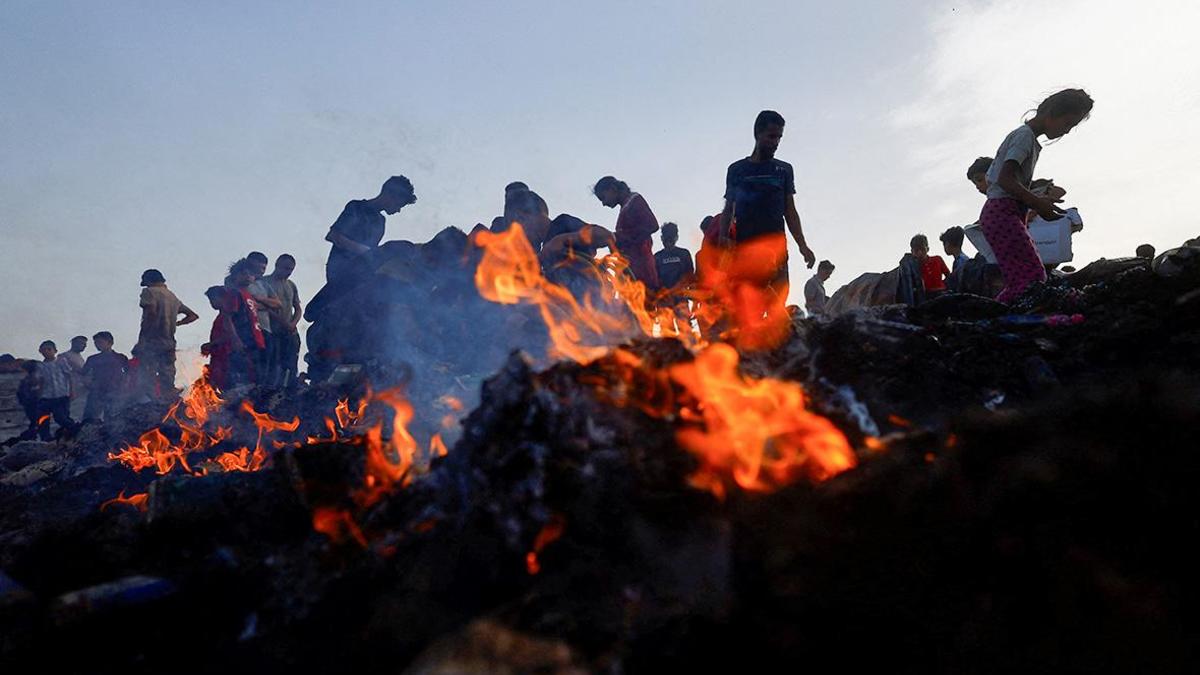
[{"x": 1020, "y": 496}]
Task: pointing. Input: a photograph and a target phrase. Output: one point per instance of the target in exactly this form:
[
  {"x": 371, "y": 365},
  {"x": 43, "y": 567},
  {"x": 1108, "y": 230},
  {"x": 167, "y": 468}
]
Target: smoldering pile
[{"x": 1020, "y": 499}]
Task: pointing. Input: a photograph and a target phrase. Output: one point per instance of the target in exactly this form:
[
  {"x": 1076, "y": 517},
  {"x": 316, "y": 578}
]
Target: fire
[
  {"x": 437, "y": 447},
  {"x": 138, "y": 501},
  {"x": 337, "y": 524},
  {"x": 510, "y": 274},
  {"x": 192, "y": 415},
  {"x": 755, "y": 431},
  {"x": 387, "y": 466},
  {"x": 550, "y": 532},
  {"x": 743, "y": 296}
]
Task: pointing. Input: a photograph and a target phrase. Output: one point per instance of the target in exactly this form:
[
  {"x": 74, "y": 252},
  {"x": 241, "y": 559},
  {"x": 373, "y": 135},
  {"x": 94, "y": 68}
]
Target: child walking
[{"x": 1003, "y": 215}]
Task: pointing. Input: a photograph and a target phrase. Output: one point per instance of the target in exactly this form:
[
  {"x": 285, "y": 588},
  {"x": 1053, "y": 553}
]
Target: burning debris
[{"x": 952, "y": 486}]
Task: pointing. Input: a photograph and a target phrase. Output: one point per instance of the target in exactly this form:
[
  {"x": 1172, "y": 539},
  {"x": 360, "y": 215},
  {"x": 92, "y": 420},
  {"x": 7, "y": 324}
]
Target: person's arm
[
  {"x": 297, "y": 309},
  {"x": 793, "y": 223},
  {"x": 592, "y": 235},
  {"x": 1044, "y": 206},
  {"x": 944, "y": 271},
  {"x": 262, "y": 296},
  {"x": 188, "y": 316}
]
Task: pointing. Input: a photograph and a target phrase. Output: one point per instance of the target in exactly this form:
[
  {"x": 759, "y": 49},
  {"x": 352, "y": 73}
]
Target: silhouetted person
[
  {"x": 285, "y": 320},
  {"x": 54, "y": 391},
  {"x": 249, "y": 341},
  {"x": 360, "y": 227},
  {"x": 933, "y": 269},
  {"x": 27, "y": 396},
  {"x": 815, "y": 298},
  {"x": 155, "y": 348},
  {"x": 265, "y": 301},
  {"x": 1146, "y": 251},
  {"x": 501, "y": 222},
  {"x": 105, "y": 373},
  {"x": 759, "y": 204},
  {"x": 977, "y": 174},
  {"x": 74, "y": 358},
  {"x": 635, "y": 224},
  {"x": 952, "y": 243},
  {"x": 676, "y": 274}
]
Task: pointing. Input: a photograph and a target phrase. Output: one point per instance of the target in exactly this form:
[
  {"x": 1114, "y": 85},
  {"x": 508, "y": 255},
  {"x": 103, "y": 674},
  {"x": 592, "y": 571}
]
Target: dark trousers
[
  {"x": 265, "y": 364},
  {"x": 287, "y": 358},
  {"x": 60, "y": 410},
  {"x": 101, "y": 403}
]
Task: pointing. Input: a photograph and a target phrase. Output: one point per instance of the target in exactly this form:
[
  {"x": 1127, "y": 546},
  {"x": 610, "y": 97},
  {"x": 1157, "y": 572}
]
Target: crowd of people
[{"x": 254, "y": 338}]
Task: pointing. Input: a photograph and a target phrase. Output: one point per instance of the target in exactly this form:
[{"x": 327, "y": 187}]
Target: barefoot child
[{"x": 1003, "y": 215}]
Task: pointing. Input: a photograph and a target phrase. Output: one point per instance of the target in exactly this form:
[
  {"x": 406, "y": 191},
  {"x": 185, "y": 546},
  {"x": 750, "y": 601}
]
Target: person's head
[
  {"x": 670, "y": 235},
  {"x": 104, "y": 340},
  {"x": 977, "y": 173},
  {"x": 30, "y": 367},
  {"x": 531, "y": 211},
  {"x": 824, "y": 270},
  {"x": 952, "y": 240},
  {"x": 1062, "y": 111},
  {"x": 48, "y": 349},
  {"x": 285, "y": 264},
  {"x": 78, "y": 343},
  {"x": 1145, "y": 251},
  {"x": 768, "y": 131},
  {"x": 920, "y": 246},
  {"x": 242, "y": 273},
  {"x": 515, "y": 186},
  {"x": 216, "y": 296},
  {"x": 258, "y": 260},
  {"x": 151, "y": 277},
  {"x": 397, "y": 192},
  {"x": 610, "y": 191}
]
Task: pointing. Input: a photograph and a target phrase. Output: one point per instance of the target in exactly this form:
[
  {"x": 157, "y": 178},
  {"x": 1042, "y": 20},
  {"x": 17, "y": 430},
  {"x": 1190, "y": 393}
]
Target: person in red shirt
[
  {"x": 635, "y": 224},
  {"x": 246, "y": 336},
  {"x": 933, "y": 269}
]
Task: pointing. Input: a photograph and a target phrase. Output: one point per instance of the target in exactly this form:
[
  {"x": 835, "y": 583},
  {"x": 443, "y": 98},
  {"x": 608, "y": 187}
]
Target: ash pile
[{"x": 953, "y": 487}]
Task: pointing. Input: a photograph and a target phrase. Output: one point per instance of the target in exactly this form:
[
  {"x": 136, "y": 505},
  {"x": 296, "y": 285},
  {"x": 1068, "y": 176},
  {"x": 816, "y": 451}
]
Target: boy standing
[
  {"x": 815, "y": 297},
  {"x": 284, "y": 321},
  {"x": 54, "y": 394},
  {"x": 105, "y": 372},
  {"x": 933, "y": 268},
  {"x": 155, "y": 348}
]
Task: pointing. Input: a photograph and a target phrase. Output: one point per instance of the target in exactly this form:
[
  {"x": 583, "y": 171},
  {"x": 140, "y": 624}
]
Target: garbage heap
[{"x": 980, "y": 489}]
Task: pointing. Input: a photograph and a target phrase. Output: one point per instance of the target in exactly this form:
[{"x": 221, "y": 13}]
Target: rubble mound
[{"x": 1023, "y": 500}]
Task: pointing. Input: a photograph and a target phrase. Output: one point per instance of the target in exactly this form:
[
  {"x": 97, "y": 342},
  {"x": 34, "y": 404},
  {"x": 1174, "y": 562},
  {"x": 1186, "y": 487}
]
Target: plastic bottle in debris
[{"x": 1041, "y": 319}]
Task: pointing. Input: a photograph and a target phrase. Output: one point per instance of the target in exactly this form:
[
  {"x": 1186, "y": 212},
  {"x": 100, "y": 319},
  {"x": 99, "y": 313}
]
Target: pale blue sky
[{"x": 183, "y": 135}]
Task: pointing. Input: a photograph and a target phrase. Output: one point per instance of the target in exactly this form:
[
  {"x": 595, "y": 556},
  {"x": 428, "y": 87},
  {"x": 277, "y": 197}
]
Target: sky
[{"x": 181, "y": 136}]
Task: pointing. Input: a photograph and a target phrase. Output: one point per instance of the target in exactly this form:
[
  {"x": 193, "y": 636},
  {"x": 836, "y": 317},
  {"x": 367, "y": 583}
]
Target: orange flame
[
  {"x": 510, "y": 273},
  {"x": 756, "y": 431},
  {"x": 138, "y": 501},
  {"x": 337, "y": 524},
  {"x": 437, "y": 447},
  {"x": 550, "y": 532},
  {"x": 745, "y": 292}
]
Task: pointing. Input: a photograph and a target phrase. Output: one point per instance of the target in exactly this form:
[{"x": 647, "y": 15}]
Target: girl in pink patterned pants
[
  {"x": 1008, "y": 178},
  {"x": 1003, "y": 223}
]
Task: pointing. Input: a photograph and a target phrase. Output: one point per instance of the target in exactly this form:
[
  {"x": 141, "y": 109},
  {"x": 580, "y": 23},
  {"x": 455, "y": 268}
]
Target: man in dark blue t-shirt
[
  {"x": 759, "y": 191},
  {"x": 758, "y": 204},
  {"x": 359, "y": 229}
]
